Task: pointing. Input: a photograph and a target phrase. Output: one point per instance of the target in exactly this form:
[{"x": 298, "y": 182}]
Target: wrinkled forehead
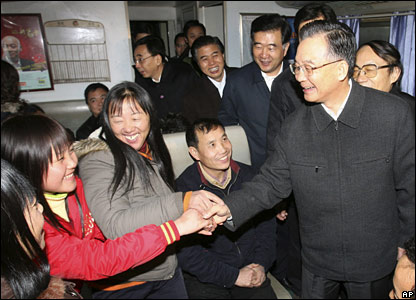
[{"x": 312, "y": 49}]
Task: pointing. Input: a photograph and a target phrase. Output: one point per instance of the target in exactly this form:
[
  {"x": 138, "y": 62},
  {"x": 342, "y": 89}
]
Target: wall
[
  {"x": 139, "y": 13},
  {"x": 232, "y": 11},
  {"x": 112, "y": 14}
]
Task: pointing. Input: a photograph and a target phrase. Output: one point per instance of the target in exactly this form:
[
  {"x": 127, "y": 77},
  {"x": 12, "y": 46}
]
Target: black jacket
[
  {"x": 286, "y": 95},
  {"x": 353, "y": 180},
  {"x": 203, "y": 100},
  {"x": 246, "y": 101},
  {"x": 406, "y": 97},
  {"x": 217, "y": 259},
  {"x": 168, "y": 94},
  {"x": 88, "y": 127}
]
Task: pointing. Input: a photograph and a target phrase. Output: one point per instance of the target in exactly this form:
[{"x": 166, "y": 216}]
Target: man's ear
[
  {"x": 159, "y": 59},
  {"x": 342, "y": 70},
  {"x": 194, "y": 153},
  {"x": 286, "y": 48},
  {"x": 395, "y": 75}
]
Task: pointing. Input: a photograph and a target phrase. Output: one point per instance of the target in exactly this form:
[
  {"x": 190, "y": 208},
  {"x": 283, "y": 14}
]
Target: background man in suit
[
  {"x": 246, "y": 96},
  {"x": 204, "y": 98},
  {"x": 349, "y": 157}
]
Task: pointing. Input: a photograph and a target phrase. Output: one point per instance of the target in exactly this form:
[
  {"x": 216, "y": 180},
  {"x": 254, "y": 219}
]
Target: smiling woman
[
  {"x": 128, "y": 179},
  {"x": 41, "y": 149}
]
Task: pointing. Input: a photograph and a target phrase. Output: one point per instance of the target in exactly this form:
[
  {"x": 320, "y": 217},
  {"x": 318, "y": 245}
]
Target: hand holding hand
[
  {"x": 203, "y": 201},
  {"x": 260, "y": 274},
  {"x": 192, "y": 221},
  {"x": 246, "y": 277}
]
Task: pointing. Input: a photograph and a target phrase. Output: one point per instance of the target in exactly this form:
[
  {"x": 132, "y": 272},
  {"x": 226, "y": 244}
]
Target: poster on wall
[{"x": 23, "y": 45}]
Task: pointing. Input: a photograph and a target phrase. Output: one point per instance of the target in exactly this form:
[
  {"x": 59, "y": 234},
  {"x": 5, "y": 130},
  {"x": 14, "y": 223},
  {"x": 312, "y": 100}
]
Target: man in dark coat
[
  {"x": 349, "y": 157},
  {"x": 166, "y": 81},
  {"x": 226, "y": 265},
  {"x": 94, "y": 95},
  {"x": 204, "y": 97},
  {"x": 246, "y": 98}
]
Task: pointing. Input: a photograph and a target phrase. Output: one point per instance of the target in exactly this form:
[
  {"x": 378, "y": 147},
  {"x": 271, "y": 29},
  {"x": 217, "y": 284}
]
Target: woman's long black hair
[
  {"x": 23, "y": 263},
  {"x": 127, "y": 160},
  {"x": 27, "y": 142}
]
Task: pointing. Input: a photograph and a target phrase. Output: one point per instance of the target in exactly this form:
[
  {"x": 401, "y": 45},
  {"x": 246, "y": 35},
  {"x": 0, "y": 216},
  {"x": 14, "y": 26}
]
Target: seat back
[{"x": 181, "y": 159}]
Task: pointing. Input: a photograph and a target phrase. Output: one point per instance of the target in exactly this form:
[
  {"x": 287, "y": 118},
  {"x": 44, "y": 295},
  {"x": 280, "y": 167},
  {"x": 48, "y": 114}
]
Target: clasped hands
[
  {"x": 211, "y": 207},
  {"x": 252, "y": 275}
]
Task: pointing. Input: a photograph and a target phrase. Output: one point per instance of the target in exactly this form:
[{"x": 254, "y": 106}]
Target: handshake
[{"x": 204, "y": 213}]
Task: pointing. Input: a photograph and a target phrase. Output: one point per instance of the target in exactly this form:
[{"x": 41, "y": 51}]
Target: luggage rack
[{"x": 77, "y": 51}]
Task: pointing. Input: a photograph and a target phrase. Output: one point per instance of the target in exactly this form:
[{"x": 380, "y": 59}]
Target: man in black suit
[
  {"x": 246, "y": 96},
  {"x": 349, "y": 157},
  {"x": 204, "y": 98},
  {"x": 285, "y": 96},
  {"x": 166, "y": 81}
]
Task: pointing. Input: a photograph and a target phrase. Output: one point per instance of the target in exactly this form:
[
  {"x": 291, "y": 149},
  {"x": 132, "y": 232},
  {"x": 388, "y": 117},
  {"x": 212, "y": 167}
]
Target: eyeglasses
[
  {"x": 141, "y": 59},
  {"x": 369, "y": 70},
  {"x": 307, "y": 69}
]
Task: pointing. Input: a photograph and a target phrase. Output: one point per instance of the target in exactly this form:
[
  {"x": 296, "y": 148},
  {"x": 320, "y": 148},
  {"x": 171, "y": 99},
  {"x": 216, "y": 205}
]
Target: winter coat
[
  {"x": 217, "y": 259},
  {"x": 126, "y": 212},
  {"x": 85, "y": 254},
  {"x": 353, "y": 180}
]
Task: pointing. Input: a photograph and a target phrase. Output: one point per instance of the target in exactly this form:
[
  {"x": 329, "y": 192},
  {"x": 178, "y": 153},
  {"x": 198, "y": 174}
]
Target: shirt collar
[
  {"x": 269, "y": 79},
  {"x": 219, "y": 85},
  {"x": 341, "y": 108}
]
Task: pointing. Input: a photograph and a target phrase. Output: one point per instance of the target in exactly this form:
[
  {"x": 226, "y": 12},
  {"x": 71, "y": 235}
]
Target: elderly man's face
[
  {"x": 322, "y": 84},
  {"x": 11, "y": 47}
]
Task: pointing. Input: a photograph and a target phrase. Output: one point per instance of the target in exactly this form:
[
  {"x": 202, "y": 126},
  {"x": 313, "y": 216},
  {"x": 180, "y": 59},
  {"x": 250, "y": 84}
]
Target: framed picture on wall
[{"x": 23, "y": 45}]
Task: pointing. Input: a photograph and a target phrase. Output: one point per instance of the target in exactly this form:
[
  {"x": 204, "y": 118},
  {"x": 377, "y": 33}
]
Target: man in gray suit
[{"x": 349, "y": 156}]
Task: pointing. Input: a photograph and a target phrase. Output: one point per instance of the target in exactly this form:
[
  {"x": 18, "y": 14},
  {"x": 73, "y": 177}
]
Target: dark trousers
[
  {"x": 288, "y": 264},
  {"x": 316, "y": 287},
  {"x": 164, "y": 289},
  {"x": 200, "y": 290}
]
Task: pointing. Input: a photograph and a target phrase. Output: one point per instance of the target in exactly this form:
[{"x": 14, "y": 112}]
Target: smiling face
[
  {"x": 211, "y": 61},
  {"x": 384, "y": 79},
  {"x": 214, "y": 151},
  {"x": 268, "y": 51},
  {"x": 60, "y": 177},
  {"x": 131, "y": 125},
  {"x": 326, "y": 84},
  {"x": 11, "y": 47}
]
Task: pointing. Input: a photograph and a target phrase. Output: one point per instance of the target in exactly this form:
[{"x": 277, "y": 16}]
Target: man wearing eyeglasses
[
  {"x": 349, "y": 157},
  {"x": 378, "y": 66},
  {"x": 167, "y": 82}
]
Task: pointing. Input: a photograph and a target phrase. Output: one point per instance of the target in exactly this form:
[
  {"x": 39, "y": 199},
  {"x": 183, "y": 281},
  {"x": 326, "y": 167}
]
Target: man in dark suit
[
  {"x": 285, "y": 96},
  {"x": 247, "y": 92},
  {"x": 349, "y": 157},
  {"x": 204, "y": 98},
  {"x": 166, "y": 81}
]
